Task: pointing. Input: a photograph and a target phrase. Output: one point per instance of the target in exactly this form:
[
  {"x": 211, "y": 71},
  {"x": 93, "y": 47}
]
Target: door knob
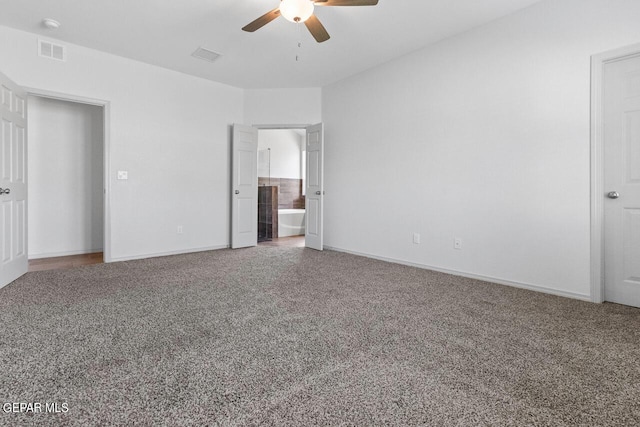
[
  {"x": 237, "y": 191},
  {"x": 613, "y": 195},
  {"x": 318, "y": 193},
  {"x": 5, "y": 190}
]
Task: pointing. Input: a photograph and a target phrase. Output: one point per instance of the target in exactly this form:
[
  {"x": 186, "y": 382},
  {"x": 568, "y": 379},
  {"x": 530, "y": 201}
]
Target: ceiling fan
[{"x": 302, "y": 11}]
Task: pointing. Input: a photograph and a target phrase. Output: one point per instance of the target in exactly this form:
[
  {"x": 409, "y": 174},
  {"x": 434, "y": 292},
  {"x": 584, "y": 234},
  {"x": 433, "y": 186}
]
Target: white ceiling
[{"x": 166, "y": 32}]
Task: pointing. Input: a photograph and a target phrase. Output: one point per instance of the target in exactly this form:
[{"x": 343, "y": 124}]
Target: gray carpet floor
[{"x": 290, "y": 336}]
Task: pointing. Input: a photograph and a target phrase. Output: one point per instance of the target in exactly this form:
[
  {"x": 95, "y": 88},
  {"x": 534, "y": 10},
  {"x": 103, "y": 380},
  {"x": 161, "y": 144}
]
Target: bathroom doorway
[
  {"x": 281, "y": 187},
  {"x": 244, "y": 185}
]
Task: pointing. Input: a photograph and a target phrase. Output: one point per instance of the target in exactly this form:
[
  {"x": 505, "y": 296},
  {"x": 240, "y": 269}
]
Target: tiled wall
[
  {"x": 289, "y": 191},
  {"x": 267, "y": 213}
]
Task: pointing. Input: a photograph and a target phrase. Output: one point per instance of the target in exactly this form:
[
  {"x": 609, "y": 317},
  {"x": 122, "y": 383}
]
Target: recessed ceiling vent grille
[
  {"x": 205, "y": 54},
  {"x": 51, "y": 50}
]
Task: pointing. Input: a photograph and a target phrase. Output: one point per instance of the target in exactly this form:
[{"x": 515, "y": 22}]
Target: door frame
[
  {"x": 282, "y": 127},
  {"x": 106, "y": 111},
  {"x": 598, "y": 62}
]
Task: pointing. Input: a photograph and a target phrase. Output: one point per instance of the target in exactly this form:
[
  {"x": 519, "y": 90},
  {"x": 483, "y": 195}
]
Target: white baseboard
[
  {"x": 66, "y": 253},
  {"x": 160, "y": 254},
  {"x": 521, "y": 285}
]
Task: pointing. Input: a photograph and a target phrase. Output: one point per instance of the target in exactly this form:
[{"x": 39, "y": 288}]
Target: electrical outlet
[
  {"x": 457, "y": 243},
  {"x": 416, "y": 238},
  {"x": 123, "y": 175},
  {"x": 179, "y": 229}
]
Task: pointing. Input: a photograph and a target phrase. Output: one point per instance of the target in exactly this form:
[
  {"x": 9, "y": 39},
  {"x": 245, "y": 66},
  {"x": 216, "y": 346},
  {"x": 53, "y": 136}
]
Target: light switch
[{"x": 123, "y": 174}]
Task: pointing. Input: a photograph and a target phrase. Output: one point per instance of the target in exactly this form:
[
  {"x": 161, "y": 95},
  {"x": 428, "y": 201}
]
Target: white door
[
  {"x": 314, "y": 187},
  {"x": 622, "y": 181},
  {"x": 13, "y": 182},
  {"x": 244, "y": 187}
]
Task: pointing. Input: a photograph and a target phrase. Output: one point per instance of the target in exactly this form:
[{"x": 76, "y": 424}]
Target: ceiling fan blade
[
  {"x": 346, "y": 2},
  {"x": 262, "y": 21},
  {"x": 316, "y": 29}
]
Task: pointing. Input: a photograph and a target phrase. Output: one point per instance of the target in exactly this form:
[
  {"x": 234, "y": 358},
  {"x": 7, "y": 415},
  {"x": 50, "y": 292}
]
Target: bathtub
[{"x": 290, "y": 222}]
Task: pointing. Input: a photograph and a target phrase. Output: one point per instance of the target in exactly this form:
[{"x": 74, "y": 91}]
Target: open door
[
  {"x": 314, "y": 187},
  {"x": 244, "y": 187},
  {"x": 621, "y": 173},
  {"x": 13, "y": 182}
]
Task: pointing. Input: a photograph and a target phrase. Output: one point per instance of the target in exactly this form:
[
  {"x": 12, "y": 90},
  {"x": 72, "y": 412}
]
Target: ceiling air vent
[
  {"x": 51, "y": 50},
  {"x": 205, "y": 54}
]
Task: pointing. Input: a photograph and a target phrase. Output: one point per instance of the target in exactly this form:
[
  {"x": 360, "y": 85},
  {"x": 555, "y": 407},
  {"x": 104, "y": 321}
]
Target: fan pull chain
[{"x": 299, "y": 42}]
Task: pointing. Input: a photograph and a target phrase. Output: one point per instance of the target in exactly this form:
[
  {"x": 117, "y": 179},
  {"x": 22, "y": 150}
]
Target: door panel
[
  {"x": 20, "y": 228},
  {"x": 245, "y": 217},
  {"x": 314, "y": 187},
  {"x": 622, "y": 175},
  {"x": 245, "y": 175},
  {"x": 631, "y": 147},
  {"x": 244, "y": 190},
  {"x": 20, "y": 166},
  {"x": 5, "y": 173},
  {"x": 631, "y": 226},
  {"x": 20, "y": 105},
  {"x": 7, "y": 94},
  {"x": 312, "y": 218},
  {"x": 13, "y": 178},
  {"x": 313, "y": 165},
  {"x": 6, "y": 220}
]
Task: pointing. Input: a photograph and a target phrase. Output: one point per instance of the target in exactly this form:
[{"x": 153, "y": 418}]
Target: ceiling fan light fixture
[{"x": 296, "y": 10}]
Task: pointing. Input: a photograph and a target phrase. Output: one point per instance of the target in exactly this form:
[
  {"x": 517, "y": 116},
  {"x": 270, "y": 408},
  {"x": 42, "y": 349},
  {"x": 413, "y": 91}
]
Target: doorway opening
[
  {"x": 244, "y": 185},
  {"x": 281, "y": 187},
  {"x": 66, "y": 168}
]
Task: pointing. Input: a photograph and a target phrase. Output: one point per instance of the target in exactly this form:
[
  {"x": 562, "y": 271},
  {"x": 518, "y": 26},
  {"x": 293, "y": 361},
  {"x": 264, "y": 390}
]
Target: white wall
[
  {"x": 282, "y": 106},
  {"x": 170, "y": 131},
  {"x": 484, "y": 137},
  {"x": 284, "y": 145},
  {"x": 65, "y": 178}
]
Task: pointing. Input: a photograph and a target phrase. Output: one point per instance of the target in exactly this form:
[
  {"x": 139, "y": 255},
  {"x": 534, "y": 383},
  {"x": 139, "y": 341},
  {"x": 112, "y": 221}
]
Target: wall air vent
[
  {"x": 51, "y": 50},
  {"x": 205, "y": 54}
]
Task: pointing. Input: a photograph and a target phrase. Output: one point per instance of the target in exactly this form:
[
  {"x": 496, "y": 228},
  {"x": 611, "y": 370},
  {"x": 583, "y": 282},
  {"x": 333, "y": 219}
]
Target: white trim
[
  {"x": 598, "y": 63},
  {"x": 521, "y": 285},
  {"x": 161, "y": 254},
  {"x": 64, "y": 96},
  {"x": 106, "y": 111},
  {"x": 264, "y": 127}
]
